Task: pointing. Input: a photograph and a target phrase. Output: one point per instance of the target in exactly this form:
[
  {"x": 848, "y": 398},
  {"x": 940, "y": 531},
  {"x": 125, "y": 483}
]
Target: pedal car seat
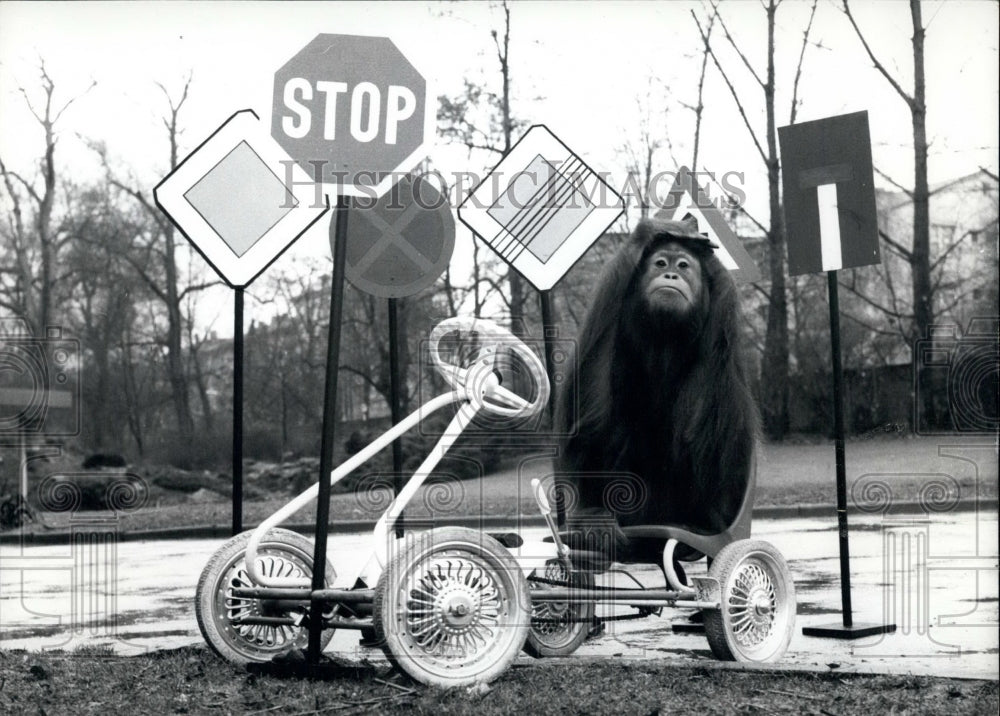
[{"x": 644, "y": 543}]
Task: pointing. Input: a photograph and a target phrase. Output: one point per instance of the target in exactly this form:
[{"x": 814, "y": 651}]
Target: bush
[
  {"x": 204, "y": 451},
  {"x": 261, "y": 443}
]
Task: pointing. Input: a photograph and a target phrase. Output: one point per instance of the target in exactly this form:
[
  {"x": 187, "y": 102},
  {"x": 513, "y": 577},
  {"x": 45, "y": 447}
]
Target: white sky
[{"x": 578, "y": 68}]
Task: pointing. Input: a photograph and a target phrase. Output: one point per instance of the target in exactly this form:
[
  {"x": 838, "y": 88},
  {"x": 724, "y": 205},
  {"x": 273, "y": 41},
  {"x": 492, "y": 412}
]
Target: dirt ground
[{"x": 195, "y": 681}]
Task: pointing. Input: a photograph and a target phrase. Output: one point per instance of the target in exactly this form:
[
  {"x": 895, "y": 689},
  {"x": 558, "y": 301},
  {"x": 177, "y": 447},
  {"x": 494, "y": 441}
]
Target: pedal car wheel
[
  {"x": 559, "y": 628},
  {"x": 282, "y": 553},
  {"x": 452, "y": 608},
  {"x": 757, "y": 614}
]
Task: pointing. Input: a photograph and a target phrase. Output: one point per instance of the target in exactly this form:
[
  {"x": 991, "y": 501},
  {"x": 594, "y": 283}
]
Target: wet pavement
[{"x": 933, "y": 575}]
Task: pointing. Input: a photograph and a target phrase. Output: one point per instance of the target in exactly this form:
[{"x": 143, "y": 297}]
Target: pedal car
[{"x": 452, "y": 606}]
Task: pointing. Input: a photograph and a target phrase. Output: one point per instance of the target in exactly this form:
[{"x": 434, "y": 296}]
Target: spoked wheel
[
  {"x": 281, "y": 554},
  {"x": 559, "y": 628},
  {"x": 452, "y": 608},
  {"x": 757, "y": 614}
]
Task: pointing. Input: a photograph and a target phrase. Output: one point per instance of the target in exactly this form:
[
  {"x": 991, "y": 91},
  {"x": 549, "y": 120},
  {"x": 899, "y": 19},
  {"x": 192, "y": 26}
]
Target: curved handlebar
[{"x": 480, "y": 382}]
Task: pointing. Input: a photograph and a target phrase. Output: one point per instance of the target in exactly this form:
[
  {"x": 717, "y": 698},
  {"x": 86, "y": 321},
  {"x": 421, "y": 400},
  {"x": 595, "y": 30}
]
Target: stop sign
[{"x": 353, "y": 112}]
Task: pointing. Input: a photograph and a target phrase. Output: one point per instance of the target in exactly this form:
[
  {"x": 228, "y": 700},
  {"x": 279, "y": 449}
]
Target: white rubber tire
[
  {"x": 283, "y": 553},
  {"x": 756, "y": 617},
  {"x": 452, "y": 608}
]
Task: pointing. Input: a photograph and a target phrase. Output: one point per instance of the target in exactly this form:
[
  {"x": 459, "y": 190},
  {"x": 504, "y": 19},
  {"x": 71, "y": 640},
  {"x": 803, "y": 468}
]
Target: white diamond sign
[{"x": 239, "y": 199}]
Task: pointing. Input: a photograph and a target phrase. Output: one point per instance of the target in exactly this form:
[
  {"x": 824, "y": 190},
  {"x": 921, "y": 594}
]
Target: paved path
[{"x": 935, "y": 577}]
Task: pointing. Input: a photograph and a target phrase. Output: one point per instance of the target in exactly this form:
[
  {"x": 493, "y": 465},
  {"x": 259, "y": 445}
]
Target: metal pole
[
  {"x": 238, "y": 412},
  {"x": 838, "y": 433},
  {"x": 22, "y": 463},
  {"x": 548, "y": 336},
  {"x": 329, "y": 423},
  {"x": 395, "y": 402}
]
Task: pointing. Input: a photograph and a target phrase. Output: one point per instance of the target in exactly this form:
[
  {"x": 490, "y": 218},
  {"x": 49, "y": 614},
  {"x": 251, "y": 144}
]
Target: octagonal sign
[{"x": 353, "y": 112}]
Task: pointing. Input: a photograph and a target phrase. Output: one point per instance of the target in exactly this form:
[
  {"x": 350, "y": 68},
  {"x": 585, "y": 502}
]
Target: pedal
[{"x": 368, "y": 639}]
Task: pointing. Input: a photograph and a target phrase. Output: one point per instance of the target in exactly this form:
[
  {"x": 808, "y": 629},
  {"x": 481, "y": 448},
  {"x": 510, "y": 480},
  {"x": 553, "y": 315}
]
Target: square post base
[
  {"x": 855, "y": 631},
  {"x": 688, "y": 628}
]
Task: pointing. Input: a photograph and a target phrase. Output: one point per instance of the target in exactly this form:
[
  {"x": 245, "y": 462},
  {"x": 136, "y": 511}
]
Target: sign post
[
  {"x": 396, "y": 407},
  {"x": 353, "y": 113},
  {"x": 397, "y": 246},
  {"x": 831, "y": 223},
  {"x": 240, "y": 206},
  {"x": 329, "y": 421},
  {"x": 237, "y": 458}
]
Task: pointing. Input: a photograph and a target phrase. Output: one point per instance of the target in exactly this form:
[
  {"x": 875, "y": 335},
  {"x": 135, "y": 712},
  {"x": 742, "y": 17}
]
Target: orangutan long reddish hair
[{"x": 660, "y": 388}]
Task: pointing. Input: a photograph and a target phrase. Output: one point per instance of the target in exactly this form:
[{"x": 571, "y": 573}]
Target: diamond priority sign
[{"x": 239, "y": 199}]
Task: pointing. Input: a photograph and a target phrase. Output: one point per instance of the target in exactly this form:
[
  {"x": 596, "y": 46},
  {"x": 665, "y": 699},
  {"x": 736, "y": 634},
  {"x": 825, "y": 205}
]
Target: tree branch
[
  {"x": 760, "y": 289},
  {"x": 904, "y": 252},
  {"x": 735, "y": 47},
  {"x": 892, "y": 181},
  {"x": 990, "y": 174},
  {"x": 864, "y": 299},
  {"x": 798, "y": 69},
  {"x": 732, "y": 91},
  {"x": 22, "y": 181},
  {"x": 871, "y": 55},
  {"x": 197, "y": 287},
  {"x": 868, "y": 326}
]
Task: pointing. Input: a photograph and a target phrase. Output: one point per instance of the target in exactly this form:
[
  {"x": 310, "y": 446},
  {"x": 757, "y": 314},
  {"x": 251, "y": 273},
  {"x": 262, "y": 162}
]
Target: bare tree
[
  {"x": 775, "y": 361},
  {"x": 29, "y": 269},
  {"x": 640, "y": 153},
  {"x": 100, "y": 306},
  {"x": 918, "y": 254},
  {"x": 699, "y": 106},
  {"x": 156, "y": 264},
  {"x": 460, "y": 120}
]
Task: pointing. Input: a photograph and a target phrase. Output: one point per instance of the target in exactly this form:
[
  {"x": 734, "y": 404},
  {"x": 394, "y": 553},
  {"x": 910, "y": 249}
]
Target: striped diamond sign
[{"x": 541, "y": 207}]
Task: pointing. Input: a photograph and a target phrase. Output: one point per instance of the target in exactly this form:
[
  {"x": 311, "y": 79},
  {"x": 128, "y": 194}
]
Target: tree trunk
[
  {"x": 207, "y": 413},
  {"x": 774, "y": 368},
  {"x": 45, "y": 239},
  {"x": 514, "y": 279},
  {"x": 923, "y": 298},
  {"x": 131, "y": 390},
  {"x": 175, "y": 349}
]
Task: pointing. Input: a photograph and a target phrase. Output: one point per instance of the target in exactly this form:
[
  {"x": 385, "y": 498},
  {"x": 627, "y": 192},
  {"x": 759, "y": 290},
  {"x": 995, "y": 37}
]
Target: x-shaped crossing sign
[{"x": 402, "y": 242}]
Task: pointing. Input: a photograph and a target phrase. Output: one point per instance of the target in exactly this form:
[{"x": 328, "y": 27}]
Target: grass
[
  {"x": 788, "y": 474},
  {"x": 194, "y": 681}
]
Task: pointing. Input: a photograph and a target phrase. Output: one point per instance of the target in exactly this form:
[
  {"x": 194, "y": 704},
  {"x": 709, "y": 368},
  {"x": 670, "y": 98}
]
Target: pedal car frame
[{"x": 452, "y": 606}]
